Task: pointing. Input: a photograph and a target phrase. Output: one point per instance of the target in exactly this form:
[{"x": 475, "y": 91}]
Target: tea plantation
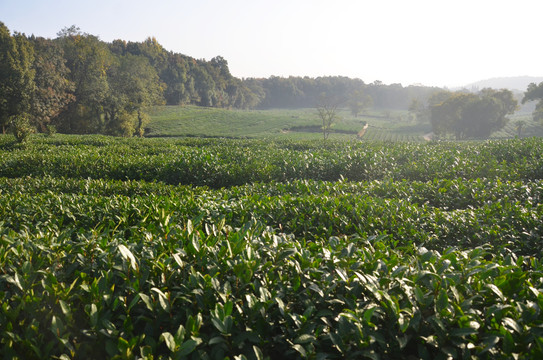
[{"x": 255, "y": 249}]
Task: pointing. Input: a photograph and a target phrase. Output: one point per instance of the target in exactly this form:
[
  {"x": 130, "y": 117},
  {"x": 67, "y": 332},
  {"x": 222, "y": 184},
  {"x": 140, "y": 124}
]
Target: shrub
[{"x": 21, "y": 128}]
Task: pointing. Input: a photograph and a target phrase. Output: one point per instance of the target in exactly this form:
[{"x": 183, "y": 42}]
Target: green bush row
[
  {"x": 209, "y": 292},
  {"x": 223, "y": 163},
  {"x": 292, "y": 250},
  {"x": 437, "y": 214}
]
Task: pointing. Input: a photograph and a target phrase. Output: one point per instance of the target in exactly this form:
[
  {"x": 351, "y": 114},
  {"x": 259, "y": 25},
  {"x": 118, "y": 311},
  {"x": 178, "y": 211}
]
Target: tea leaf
[
  {"x": 496, "y": 291},
  {"x": 187, "y": 347},
  {"x": 169, "y": 340},
  {"x": 127, "y": 254},
  {"x": 511, "y": 324},
  {"x": 258, "y": 353},
  {"x": 304, "y": 338},
  {"x": 442, "y": 301}
]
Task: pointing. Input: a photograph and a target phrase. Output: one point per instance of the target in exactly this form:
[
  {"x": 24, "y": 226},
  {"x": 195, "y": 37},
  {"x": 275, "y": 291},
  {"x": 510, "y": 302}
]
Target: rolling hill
[{"x": 515, "y": 83}]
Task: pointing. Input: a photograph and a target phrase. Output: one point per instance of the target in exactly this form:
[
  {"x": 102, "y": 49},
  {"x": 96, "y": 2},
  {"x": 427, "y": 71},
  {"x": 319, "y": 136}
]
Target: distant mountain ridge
[{"x": 514, "y": 83}]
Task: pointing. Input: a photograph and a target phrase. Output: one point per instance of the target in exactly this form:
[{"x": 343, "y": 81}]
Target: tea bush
[{"x": 112, "y": 248}]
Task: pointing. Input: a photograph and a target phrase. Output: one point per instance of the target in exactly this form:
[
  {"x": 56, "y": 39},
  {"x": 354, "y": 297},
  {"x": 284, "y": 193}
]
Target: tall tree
[
  {"x": 501, "y": 104},
  {"x": 446, "y": 115},
  {"x": 359, "y": 101},
  {"x": 205, "y": 87},
  {"x": 535, "y": 93},
  {"x": 88, "y": 59},
  {"x": 467, "y": 115},
  {"x": 16, "y": 76},
  {"x": 255, "y": 92},
  {"x": 53, "y": 89},
  {"x": 179, "y": 86},
  {"x": 134, "y": 87},
  {"x": 520, "y": 125}
]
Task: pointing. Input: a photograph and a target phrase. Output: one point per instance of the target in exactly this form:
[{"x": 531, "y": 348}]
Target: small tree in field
[
  {"x": 359, "y": 101},
  {"x": 520, "y": 125},
  {"x": 327, "y": 110},
  {"x": 20, "y": 127}
]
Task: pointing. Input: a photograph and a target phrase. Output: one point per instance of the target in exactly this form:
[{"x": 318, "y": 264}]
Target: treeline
[
  {"x": 304, "y": 92},
  {"x": 80, "y": 84},
  {"x": 77, "y": 83}
]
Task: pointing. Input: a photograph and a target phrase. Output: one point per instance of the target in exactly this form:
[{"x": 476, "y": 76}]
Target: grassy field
[
  {"x": 249, "y": 249},
  {"x": 301, "y": 124},
  {"x": 277, "y": 124}
]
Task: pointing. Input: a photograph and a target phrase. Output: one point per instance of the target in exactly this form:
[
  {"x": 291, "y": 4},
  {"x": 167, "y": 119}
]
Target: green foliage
[
  {"x": 53, "y": 90},
  {"x": 298, "y": 124},
  {"x": 133, "y": 87},
  {"x": 520, "y": 125},
  {"x": 50, "y": 130},
  {"x": 467, "y": 115},
  {"x": 20, "y": 127},
  {"x": 83, "y": 85},
  {"x": 16, "y": 75},
  {"x": 176, "y": 287},
  {"x": 222, "y": 162},
  {"x": 433, "y": 252},
  {"x": 535, "y": 93},
  {"x": 88, "y": 60},
  {"x": 419, "y": 111},
  {"x": 358, "y": 102},
  {"x": 327, "y": 109},
  {"x": 195, "y": 121},
  {"x": 530, "y": 128}
]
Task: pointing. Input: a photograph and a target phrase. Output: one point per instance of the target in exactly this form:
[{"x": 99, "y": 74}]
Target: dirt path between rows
[{"x": 363, "y": 130}]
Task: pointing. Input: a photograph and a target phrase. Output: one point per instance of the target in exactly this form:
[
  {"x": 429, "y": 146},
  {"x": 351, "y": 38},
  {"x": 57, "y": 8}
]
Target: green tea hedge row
[
  {"x": 434, "y": 252},
  {"x": 221, "y": 163},
  {"x": 197, "y": 292},
  {"x": 437, "y": 214}
]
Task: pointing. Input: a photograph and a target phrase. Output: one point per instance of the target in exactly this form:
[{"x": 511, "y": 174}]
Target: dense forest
[{"x": 77, "y": 83}]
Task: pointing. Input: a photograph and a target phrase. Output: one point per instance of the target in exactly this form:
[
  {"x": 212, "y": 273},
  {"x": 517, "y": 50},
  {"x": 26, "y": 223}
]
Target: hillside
[
  {"x": 194, "y": 121},
  {"x": 387, "y": 125},
  {"x": 515, "y": 83}
]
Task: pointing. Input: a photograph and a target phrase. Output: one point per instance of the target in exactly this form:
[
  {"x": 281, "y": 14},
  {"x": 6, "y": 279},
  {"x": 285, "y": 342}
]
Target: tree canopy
[
  {"x": 535, "y": 93},
  {"x": 471, "y": 116},
  {"x": 16, "y": 76}
]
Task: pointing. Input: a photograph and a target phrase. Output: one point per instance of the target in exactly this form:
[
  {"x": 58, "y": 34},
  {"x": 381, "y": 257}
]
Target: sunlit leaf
[
  {"x": 300, "y": 349},
  {"x": 258, "y": 353},
  {"x": 511, "y": 324},
  {"x": 162, "y": 299},
  {"x": 147, "y": 300},
  {"x": 495, "y": 290},
  {"x": 169, "y": 340},
  {"x": 127, "y": 254},
  {"x": 304, "y": 338}
]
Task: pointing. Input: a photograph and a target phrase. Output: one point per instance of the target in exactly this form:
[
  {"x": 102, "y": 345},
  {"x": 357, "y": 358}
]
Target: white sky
[{"x": 432, "y": 42}]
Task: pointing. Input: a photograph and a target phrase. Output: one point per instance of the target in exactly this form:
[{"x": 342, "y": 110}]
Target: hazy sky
[{"x": 433, "y": 42}]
